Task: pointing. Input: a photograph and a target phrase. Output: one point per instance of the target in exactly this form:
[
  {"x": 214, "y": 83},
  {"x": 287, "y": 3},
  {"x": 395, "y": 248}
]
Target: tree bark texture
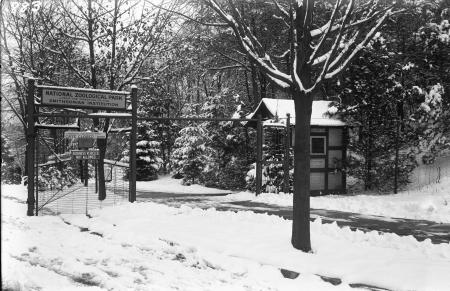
[
  {"x": 101, "y": 143},
  {"x": 300, "y": 222}
]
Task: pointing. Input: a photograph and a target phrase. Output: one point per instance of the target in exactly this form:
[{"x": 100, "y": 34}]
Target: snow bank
[
  {"x": 145, "y": 246},
  {"x": 166, "y": 184},
  {"x": 429, "y": 203},
  {"x": 387, "y": 260},
  {"x": 51, "y": 253}
]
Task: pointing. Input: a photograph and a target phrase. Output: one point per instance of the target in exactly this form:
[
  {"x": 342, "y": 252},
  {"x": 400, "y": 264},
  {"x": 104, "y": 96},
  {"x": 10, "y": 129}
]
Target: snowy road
[{"x": 420, "y": 229}]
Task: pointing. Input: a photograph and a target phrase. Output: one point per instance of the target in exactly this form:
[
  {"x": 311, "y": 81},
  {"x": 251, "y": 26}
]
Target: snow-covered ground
[
  {"x": 169, "y": 185},
  {"x": 147, "y": 246},
  {"x": 428, "y": 203}
]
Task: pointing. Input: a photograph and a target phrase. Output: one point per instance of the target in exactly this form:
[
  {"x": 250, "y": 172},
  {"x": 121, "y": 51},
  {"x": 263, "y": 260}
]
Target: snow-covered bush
[
  {"x": 232, "y": 175},
  {"x": 273, "y": 169},
  {"x": 55, "y": 178},
  {"x": 11, "y": 171}
]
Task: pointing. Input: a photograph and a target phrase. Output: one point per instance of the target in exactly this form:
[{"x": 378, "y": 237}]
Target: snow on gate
[{"x": 77, "y": 157}]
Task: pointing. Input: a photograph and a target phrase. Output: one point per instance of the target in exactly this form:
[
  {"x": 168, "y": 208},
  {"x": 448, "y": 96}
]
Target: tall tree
[
  {"x": 317, "y": 49},
  {"x": 102, "y": 44},
  {"x": 23, "y": 58},
  {"x": 395, "y": 92}
]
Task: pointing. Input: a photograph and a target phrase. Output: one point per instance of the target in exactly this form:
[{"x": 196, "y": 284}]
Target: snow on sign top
[{"x": 270, "y": 108}]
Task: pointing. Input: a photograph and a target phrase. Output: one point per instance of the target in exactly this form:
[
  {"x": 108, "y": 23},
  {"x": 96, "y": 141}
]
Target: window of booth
[{"x": 318, "y": 145}]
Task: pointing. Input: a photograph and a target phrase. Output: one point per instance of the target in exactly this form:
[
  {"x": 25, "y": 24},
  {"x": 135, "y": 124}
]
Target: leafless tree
[
  {"x": 102, "y": 45},
  {"x": 315, "y": 53}
]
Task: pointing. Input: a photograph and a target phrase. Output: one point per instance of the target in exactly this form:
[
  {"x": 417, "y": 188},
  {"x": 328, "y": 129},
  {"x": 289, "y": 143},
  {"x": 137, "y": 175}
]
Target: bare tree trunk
[
  {"x": 102, "y": 143},
  {"x": 369, "y": 157},
  {"x": 397, "y": 148},
  {"x": 247, "y": 87},
  {"x": 256, "y": 97},
  {"x": 300, "y": 225},
  {"x": 263, "y": 85}
]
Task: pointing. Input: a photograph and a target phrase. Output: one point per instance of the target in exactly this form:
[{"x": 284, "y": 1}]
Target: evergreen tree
[
  {"x": 192, "y": 154},
  {"x": 156, "y": 100},
  {"x": 393, "y": 95},
  {"x": 148, "y": 161},
  {"x": 230, "y": 142}
]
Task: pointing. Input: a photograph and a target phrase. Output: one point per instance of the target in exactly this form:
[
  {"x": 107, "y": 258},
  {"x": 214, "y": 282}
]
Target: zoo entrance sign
[{"x": 83, "y": 98}]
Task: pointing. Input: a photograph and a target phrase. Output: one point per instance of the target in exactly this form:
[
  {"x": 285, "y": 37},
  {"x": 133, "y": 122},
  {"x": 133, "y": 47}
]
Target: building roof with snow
[{"x": 274, "y": 111}]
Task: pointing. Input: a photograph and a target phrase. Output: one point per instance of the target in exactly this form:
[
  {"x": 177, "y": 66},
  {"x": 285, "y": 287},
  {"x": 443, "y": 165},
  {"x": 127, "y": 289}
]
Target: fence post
[
  {"x": 86, "y": 173},
  {"x": 287, "y": 154},
  {"x": 133, "y": 141},
  {"x": 31, "y": 135},
  {"x": 259, "y": 141},
  {"x": 96, "y": 176}
]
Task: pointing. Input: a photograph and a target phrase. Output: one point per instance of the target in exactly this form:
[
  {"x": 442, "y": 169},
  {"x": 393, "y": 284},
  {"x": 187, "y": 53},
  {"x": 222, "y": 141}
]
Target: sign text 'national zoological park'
[{"x": 83, "y": 98}]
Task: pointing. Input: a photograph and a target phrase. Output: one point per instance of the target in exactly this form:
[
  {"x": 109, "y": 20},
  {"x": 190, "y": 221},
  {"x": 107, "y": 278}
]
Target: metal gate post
[
  {"x": 259, "y": 142},
  {"x": 36, "y": 189},
  {"x": 86, "y": 173},
  {"x": 133, "y": 141},
  {"x": 31, "y": 135},
  {"x": 287, "y": 154}
]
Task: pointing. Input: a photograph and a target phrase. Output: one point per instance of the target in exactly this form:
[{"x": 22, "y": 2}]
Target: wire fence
[
  {"x": 426, "y": 175},
  {"x": 81, "y": 199},
  {"x": 66, "y": 185}
]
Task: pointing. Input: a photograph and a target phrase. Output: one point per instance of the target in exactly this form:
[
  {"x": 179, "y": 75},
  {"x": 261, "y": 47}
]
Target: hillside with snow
[{"x": 148, "y": 246}]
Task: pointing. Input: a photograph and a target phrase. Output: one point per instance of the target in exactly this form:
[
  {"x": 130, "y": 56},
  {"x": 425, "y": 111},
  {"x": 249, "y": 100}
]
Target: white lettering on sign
[
  {"x": 84, "y": 134},
  {"x": 83, "y": 99}
]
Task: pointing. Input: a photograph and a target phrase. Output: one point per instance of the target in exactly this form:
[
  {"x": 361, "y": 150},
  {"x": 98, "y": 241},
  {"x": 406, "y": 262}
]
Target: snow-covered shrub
[
  {"x": 234, "y": 153},
  {"x": 11, "y": 171},
  {"x": 232, "y": 176},
  {"x": 273, "y": 169},
  {"x": 250, "y": 178},
  {"x": 55, "y": 178}
]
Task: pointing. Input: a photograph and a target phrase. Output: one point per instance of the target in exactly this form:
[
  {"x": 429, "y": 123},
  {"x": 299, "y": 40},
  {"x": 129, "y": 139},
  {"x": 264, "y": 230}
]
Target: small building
[{"x": 327, "y": 142}]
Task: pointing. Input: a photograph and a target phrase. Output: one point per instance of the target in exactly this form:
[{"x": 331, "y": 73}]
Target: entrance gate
[
  {"x": 71, "y": 170},
  {"x": 64, "y": 160}
]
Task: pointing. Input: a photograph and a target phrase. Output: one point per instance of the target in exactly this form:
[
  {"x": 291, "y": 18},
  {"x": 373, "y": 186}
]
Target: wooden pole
[
  {"x": 133, "y": 141},
  {"x": 96, "y": 176},
  {"x": 86, "y": 173},
  {"x": 37, "y": 186},
  {"x": 31, "y": 135},
  {"x": 345, "y": 140},
  {"x": 259, "y": 138},
  {"x": 287, "y": 154}
]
